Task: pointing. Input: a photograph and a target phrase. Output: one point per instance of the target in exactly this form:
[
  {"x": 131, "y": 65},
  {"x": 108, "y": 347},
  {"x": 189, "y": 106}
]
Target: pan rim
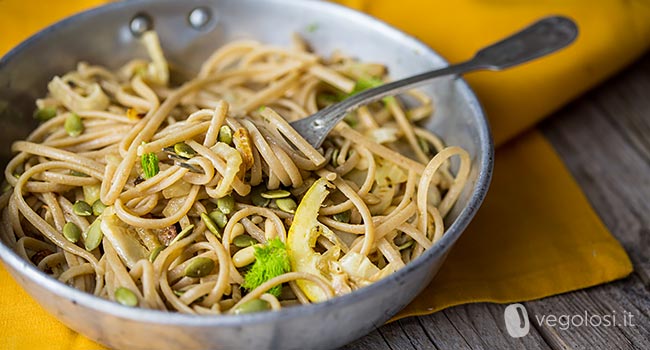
[{"x": 26, "y": 270}]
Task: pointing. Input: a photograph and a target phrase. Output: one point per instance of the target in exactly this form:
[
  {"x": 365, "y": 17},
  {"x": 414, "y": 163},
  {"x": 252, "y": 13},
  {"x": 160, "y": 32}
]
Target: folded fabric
[{"x": 536, "y": 234}]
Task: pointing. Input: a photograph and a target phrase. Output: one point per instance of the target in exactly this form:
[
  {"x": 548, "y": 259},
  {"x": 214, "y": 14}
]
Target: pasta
[{"x": 200, "y": 198}]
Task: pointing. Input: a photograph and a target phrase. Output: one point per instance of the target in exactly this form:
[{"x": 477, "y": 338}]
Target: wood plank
[
  {"x": 473, "y": 326},
  {"x": 372, "y": 341},
  {"x": 441, "y": 331},
  {"x": 483, "y": 327},
  {"x": 624, "y": 302},
  {"x": 403, "y": 335},
  {"x": 604, "y": 140}
]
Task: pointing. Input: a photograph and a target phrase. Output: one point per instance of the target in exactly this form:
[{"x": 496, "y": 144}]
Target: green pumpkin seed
[
  {"x": 335, "y": 156},
  {"x": 199, "y": 267},
  {"x": 256, "y": 197},
  {"x": 325, "y": 99},
  {"x": 287, "y": 205},
  {"x": 6, "y": 187},
  {"x": 126, "y": 297},
  {"x": 405, "y": 245},
  {"x": 184, "y": 150},
  {"x": 179, "y": 293},
  {"x": 342, "y": 216},
  {"x": 82, "y": 208},
  {"x": 244, "y": 241},
  {"x": 154, "y": 253},
  {"x": 275, "y": 194},
  {"x": 98, "y": 207},
  {"x": 20, "y": 169},
  {"x": 78, "y": 173},
  {"x": 93, "y": 236},
  {"x": 351, "y": 119},
  {"x": 91, "y": 193},
  {"x": 140, "y": 71},
  {"x": 254, "y": 305},
  {"x": 71, "y": 232},
  {"x": 226, "y": 204},
  {"x": 212, "y": 227},
  {"x": 219, "y": 218},
  {"x": 45, "y": 114},
  {"x": 73, "y": 125},
  {"x": 424, "y": 145},
  {"x": 184, "y": 232},
  {"x": 225, "y": 134}
]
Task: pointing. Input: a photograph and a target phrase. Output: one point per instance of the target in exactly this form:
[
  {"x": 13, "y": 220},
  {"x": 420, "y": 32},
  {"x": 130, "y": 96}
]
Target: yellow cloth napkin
[{"x": 536, "y": 234}]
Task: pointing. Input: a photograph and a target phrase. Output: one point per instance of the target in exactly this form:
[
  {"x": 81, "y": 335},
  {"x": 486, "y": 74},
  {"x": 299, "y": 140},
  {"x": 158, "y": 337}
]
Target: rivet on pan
[
  {"x": 199, "y": 17},
  {"x": 140, "y": 23}
]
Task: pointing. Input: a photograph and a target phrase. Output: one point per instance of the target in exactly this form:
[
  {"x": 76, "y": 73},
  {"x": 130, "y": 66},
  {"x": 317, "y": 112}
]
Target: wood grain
[
  {"x": 626, "y": 297},
  {"x": 604, "y": 139}
]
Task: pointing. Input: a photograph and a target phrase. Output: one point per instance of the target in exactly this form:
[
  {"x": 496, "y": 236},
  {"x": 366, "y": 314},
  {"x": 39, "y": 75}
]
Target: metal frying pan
[{"x": 189, "y": 32}]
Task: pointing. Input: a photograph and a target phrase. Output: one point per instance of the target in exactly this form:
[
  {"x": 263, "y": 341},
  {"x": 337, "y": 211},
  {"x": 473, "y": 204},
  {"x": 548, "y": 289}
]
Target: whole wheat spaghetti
[{"x": 202, "y": 199}]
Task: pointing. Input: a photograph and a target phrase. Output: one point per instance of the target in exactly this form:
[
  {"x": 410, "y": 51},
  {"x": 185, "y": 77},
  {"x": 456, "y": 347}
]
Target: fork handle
[{"x": 539, "y": 39}]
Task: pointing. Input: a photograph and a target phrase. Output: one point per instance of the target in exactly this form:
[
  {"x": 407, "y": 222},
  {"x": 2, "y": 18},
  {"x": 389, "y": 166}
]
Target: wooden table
[{"x": 604, "y": 139}]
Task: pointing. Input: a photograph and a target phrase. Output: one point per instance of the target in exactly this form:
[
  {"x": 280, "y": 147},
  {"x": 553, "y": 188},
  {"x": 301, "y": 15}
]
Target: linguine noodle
[{"x": 187, "y": 185}]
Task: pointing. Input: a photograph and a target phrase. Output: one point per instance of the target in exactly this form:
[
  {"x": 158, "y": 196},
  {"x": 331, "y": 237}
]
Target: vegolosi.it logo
[
  {"x": 516, "y": 318},
  {"x": 518, "y": 323}
]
